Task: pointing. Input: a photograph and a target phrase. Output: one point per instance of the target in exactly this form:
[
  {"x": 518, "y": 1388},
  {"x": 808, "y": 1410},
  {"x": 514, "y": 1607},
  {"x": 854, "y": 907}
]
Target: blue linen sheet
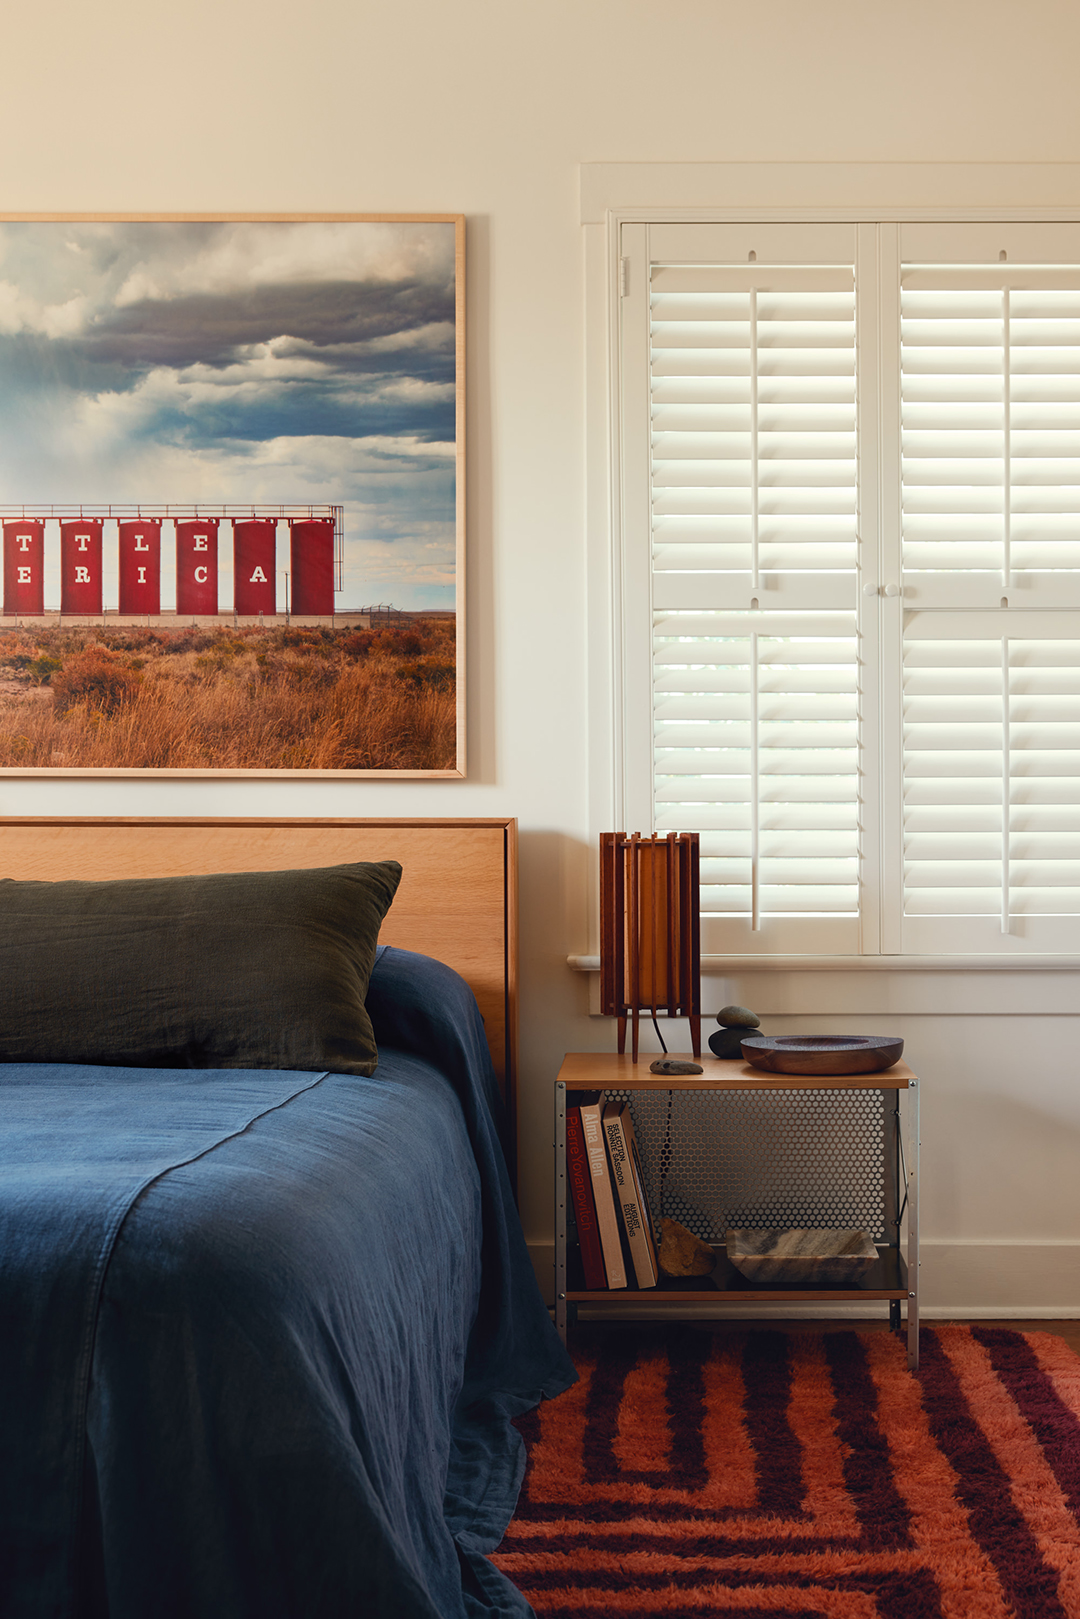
[{"x": 262, "y": 1333}]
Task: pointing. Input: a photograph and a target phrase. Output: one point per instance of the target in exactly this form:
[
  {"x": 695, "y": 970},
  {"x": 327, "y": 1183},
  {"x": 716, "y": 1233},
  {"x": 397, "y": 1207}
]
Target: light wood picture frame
[{"x": 232, "y": 495}]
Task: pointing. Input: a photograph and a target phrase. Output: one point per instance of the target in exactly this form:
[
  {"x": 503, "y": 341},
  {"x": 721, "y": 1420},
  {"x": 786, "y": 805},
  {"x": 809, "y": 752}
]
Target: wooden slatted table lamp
[{"x": 650, "y": 930}]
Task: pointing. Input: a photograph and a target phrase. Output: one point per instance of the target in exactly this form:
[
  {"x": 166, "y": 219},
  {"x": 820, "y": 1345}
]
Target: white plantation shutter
[
  {"x": 992, "y": 778},
  {"x": 849, "y": 504},
  {"x": 757, "y": 750},
  {"x": 753, "y": 502},
  {"x": 990, "y": 388}
]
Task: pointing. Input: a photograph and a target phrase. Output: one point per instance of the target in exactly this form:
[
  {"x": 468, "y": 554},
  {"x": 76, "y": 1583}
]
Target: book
[
  {"x": 639, "y": 1186},
  {"x": 617, "y": 1121},
  {"x": 579, "y": 1178},
  {"x": 606, "y": 1218}
]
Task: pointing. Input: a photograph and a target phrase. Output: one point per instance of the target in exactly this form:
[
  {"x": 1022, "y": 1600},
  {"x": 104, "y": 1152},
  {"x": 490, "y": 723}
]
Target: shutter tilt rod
[
  {"x": 755, "y": 581},
  {"x": 755, "y": 816},
  {"x": 1006, "y": 494},
  {"x": 1006, "y": 788}
]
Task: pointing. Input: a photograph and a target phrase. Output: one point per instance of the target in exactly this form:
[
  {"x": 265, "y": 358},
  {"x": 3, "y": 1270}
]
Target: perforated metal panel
[{"x": 764, "y": 1159}]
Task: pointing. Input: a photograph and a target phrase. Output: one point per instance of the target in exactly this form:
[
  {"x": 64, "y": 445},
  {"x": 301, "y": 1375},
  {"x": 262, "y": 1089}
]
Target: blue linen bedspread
[{"x": 262, "y": 1333}]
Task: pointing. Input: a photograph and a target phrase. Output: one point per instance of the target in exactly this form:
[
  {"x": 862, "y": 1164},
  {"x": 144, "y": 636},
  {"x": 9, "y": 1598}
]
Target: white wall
[{"x": 487, "y": 107}]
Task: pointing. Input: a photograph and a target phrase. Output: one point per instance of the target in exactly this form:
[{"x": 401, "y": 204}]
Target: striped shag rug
[{"x": 768, "y": 1475}]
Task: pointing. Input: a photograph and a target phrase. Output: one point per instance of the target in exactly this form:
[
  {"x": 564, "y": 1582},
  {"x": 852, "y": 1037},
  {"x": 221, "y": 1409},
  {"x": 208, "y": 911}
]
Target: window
[{"x": 850, "y": 495}]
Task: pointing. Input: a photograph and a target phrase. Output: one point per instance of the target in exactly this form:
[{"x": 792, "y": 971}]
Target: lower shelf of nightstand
[{"x": 885, "y": 1280}]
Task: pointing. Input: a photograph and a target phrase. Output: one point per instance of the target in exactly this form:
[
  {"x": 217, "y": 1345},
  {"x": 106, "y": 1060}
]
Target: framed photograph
[{"x": 232, "y": 495}]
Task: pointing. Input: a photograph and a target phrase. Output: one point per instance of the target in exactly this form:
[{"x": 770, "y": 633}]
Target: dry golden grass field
[{"x": 268, "y": 698}]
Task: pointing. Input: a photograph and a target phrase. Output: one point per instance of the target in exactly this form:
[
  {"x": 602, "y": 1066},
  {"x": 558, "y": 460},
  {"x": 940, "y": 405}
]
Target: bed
[{"x": 264, "y": 1327}]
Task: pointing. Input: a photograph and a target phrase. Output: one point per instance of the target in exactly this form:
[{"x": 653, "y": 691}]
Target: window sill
[{"x": 727, "y": 965}]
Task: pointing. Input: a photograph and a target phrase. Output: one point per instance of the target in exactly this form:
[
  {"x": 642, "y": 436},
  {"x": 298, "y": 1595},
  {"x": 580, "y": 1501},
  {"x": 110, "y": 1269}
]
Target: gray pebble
[
  {"x": 672, "y": 1065},
  {"x": 738, "y": 1017}
]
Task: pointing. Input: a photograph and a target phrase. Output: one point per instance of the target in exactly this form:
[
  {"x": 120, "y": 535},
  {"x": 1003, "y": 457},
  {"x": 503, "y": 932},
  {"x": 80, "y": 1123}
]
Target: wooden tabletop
[{"x": 608, "y": 1070}]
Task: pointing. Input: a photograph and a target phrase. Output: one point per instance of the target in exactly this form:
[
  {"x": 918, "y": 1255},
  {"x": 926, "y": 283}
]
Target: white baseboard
[{"x": 960, "y": 1280}]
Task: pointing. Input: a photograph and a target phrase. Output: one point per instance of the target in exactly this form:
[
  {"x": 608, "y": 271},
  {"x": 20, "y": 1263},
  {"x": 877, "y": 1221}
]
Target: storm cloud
[{"x": 210, "y": 328}]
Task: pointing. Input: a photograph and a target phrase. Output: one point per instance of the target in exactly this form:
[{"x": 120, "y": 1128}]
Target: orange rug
[{"x": 691, "y": 1474}]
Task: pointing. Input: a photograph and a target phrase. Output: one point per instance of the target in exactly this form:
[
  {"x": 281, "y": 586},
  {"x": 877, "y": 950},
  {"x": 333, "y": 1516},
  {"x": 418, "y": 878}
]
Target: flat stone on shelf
[
  {"x": 674, "y": 1065},
  {"x": 801, "y": 1258}
]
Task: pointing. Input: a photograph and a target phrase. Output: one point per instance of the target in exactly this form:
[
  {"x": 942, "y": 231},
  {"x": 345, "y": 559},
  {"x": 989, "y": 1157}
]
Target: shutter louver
[
  {"x": 754, "y": 540},
  {"x": 990, "y": 363}
]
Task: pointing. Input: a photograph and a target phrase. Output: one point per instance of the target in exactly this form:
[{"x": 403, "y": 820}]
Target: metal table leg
[
  {"x": 560, "y": 1210},
  {"x": 913, "y": 1230}
]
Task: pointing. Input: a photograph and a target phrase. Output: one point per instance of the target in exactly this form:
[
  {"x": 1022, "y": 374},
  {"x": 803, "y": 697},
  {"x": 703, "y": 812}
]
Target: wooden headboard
[{"x": 457, "y": 900}]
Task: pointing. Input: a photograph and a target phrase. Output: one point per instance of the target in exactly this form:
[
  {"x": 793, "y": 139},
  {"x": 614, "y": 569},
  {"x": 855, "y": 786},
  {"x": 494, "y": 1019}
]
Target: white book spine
[
  {"x": 633, "y": 1215},
  {"x": 606, "y": 1218}
]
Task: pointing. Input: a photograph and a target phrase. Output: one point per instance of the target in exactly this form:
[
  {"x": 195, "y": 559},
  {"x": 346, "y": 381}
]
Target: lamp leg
[
  {"x": 633, "y": 1057},
  {"x": 695, "y": 1034},
  {"x": 622, "y": 1035}
]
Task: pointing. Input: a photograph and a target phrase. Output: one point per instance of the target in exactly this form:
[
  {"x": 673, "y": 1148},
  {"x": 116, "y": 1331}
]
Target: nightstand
[{"x": 737, "y": 1147}]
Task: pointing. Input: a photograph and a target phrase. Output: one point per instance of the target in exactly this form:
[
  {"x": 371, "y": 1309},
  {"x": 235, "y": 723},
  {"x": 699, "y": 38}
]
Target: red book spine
[{"x": 580, "y": 1178}]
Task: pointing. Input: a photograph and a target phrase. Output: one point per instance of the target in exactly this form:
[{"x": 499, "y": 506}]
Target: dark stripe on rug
[
  {"x": 708, "y": 1544},
  {"x": 687, "y": 1354},
  {"x": 882, "y": 1510},
  {"x": 778, "y": 1455},
  {"x": 896, "y": 1593},
  {"x": 1055, "y": 1427},
  {"x": 615, "y": 1358},
  {"x": 617, "y": 1505},
  {"x": 696, "y": 1612},
  {"x": 983, "y": 1488},
  {"x": 529, "y": 1426}
]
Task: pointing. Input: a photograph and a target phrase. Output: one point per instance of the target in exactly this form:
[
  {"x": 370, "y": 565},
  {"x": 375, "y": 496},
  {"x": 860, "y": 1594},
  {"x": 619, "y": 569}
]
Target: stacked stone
[{"x": 736, "y": 1022}]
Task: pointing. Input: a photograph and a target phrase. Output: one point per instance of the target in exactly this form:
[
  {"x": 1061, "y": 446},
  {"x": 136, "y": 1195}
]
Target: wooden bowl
[{"x": 822, "y": 1053}]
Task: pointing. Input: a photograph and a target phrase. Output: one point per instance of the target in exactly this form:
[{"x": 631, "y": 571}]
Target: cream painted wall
[{"x": 487, "y": 107}]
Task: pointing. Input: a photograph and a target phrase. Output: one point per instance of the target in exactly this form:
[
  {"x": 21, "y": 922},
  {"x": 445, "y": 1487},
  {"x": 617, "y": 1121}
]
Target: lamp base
[{"x": 693, "y": 1018}]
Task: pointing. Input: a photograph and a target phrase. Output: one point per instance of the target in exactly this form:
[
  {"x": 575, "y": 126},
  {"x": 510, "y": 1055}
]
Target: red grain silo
[
  {"x": 140, "y": 566},
  {"x": 80, "y": 565},
  {"x": 197, "y": 566},
  {"x": 24, "y": 566},
  {"x": 254, "y": 562},
  {"x": 311, "y": 546}
]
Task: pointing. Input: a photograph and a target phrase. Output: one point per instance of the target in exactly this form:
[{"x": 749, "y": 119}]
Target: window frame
[{"x": 876, "y": 200}]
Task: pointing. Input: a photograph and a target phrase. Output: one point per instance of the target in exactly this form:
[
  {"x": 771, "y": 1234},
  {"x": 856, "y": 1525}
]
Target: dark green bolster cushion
[{"x": 265, "y": 969}]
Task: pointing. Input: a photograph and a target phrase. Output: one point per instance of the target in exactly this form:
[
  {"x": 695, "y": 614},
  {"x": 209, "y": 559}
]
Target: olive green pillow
[{"x": 264, "y": 969}]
